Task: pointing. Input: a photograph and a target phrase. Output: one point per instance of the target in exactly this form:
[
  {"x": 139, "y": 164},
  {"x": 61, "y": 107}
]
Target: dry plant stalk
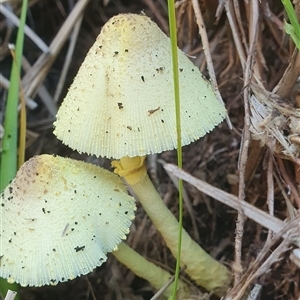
[
  {"x": 32, "y": 80},
  {"x": 287, "y": 231},
  {"x": 276, "y": 124},
  {"x": 247, "y": 62},
  {"x": 268, "y": 221},
  {"x": 271, "y": 120},
  {"x": 206, "y": 48},
  {"x": 266, "y": 258},
  {"x": 10, "y": 295},
  {"x": 268, "y": 119},
  {"x": 35, "y": 75}
]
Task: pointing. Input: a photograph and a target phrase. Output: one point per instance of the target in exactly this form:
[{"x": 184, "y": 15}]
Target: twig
[
  {"x": 90, "y": 289},
  {"x": 10, "y": 295},
  {"x": 68, "y": 59},
  {"x": 206, "y": 48},
  {"x": 291, "y": 210},
  {"x": 156, "y": 12},
  {"x": 236, "y": 6},
  {"x": 161, "y": 291},
  {"x": 41, "y": 67},
  {"x": 266, "y": 258},
  {"x": 290, "y": 76},
  {"x": 289, "y": 182},
  {"x": 4, "y": 82},
  {"x": 186, "y": 199},
  {"x": 232, "y": 201},
  {"x": 41, "y": 91},
  {"x": 28, "y": 31},
  {"x": 232, "y": 22},
  {"x": 255, "y": 292},
  {"x": 270, "y": 192},
  {"x": 253, "y": 30}
]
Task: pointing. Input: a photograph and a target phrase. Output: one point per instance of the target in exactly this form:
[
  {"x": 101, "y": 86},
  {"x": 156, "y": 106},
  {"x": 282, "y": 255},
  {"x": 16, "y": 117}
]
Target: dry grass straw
[
  {"x": 274, "y": 123},
  {"x": 10, "y": 295}
]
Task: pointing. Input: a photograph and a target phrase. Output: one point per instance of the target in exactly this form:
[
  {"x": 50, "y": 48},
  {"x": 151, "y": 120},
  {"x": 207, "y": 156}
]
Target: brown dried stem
[{"x": 206, "y": 47}]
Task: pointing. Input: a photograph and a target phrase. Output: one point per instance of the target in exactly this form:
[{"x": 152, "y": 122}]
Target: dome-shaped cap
[
  {"x": 121, "y": 102},
  {"x": 59, "y": 218}
]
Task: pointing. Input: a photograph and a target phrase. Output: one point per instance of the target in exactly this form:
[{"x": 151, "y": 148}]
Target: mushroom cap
[
  {"x": 121, "y": 102},
  {"x": 59, "y": 218}
]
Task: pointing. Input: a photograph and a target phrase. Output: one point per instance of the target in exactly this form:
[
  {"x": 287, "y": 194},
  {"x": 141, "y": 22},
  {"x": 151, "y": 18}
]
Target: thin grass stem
[
  {"x": 173, "y": 37},
  {"x": 9, "y": 153}
]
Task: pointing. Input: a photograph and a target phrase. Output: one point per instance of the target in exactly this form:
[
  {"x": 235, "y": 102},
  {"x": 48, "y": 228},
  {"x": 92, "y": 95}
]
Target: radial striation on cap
[
  {"x": 59, "y": 219},
  {"x": 121, "y": 102}
]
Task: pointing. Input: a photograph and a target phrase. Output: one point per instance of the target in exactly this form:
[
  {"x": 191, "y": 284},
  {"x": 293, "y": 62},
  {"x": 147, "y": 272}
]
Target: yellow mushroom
[
  {"x": 121, "y": 105},
  {"x": 59, "y": 219},
  {"x": 121, "y": 102}
]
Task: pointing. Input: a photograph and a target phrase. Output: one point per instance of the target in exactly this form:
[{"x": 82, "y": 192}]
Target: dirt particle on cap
[
  {"x": 152, "y": 111},
  {"x": 79, "y": 248}
]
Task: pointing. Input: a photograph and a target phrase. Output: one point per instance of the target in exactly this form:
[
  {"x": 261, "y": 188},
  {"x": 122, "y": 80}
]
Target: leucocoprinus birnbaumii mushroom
[
  {"x": 59, "y": 222},
  {"x": 121, "y": 102},
  {"x": 121, "y": 105},
  {"x": 59, "y": 219}
]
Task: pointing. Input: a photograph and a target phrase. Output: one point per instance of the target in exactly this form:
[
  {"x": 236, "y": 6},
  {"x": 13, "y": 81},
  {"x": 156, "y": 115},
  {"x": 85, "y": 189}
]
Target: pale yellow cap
[
  {"x": 59, "y": 219},
  {"x": 121, "y": 102}
]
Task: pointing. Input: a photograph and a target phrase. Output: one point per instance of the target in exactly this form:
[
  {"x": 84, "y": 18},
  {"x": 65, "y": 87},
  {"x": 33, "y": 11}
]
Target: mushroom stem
[
  {"x": 200, "y": 266},
  {"x": 147, "y": 270}
]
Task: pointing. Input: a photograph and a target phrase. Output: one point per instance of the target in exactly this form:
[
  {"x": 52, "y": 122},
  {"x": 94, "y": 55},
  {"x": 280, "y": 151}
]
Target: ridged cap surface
[
  {"x": 121, "y": 102},
  {"x": 59, "y": 219}
]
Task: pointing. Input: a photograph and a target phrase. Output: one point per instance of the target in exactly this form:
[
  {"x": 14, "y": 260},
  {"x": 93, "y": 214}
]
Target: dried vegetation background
[{"x": 256, "y": 68}]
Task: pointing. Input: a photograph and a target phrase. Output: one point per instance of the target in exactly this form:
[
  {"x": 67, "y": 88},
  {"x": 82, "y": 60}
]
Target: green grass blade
[
  {"x": 9, "y": 143},
  {"x": 9, "y": 156},
  {"x": 173, "y": 37},
  {"x": 292, "y": 29}
]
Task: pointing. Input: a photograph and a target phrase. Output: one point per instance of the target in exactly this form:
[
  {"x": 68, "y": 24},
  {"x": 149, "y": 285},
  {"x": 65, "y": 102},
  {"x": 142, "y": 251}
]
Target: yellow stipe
[{"x": 132, "y": 169}]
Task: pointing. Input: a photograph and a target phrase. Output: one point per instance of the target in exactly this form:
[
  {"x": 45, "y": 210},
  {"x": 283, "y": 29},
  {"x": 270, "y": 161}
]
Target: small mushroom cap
[
  {"x": 121, "y": 102},
  {"x": 59, "y": 218}
]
